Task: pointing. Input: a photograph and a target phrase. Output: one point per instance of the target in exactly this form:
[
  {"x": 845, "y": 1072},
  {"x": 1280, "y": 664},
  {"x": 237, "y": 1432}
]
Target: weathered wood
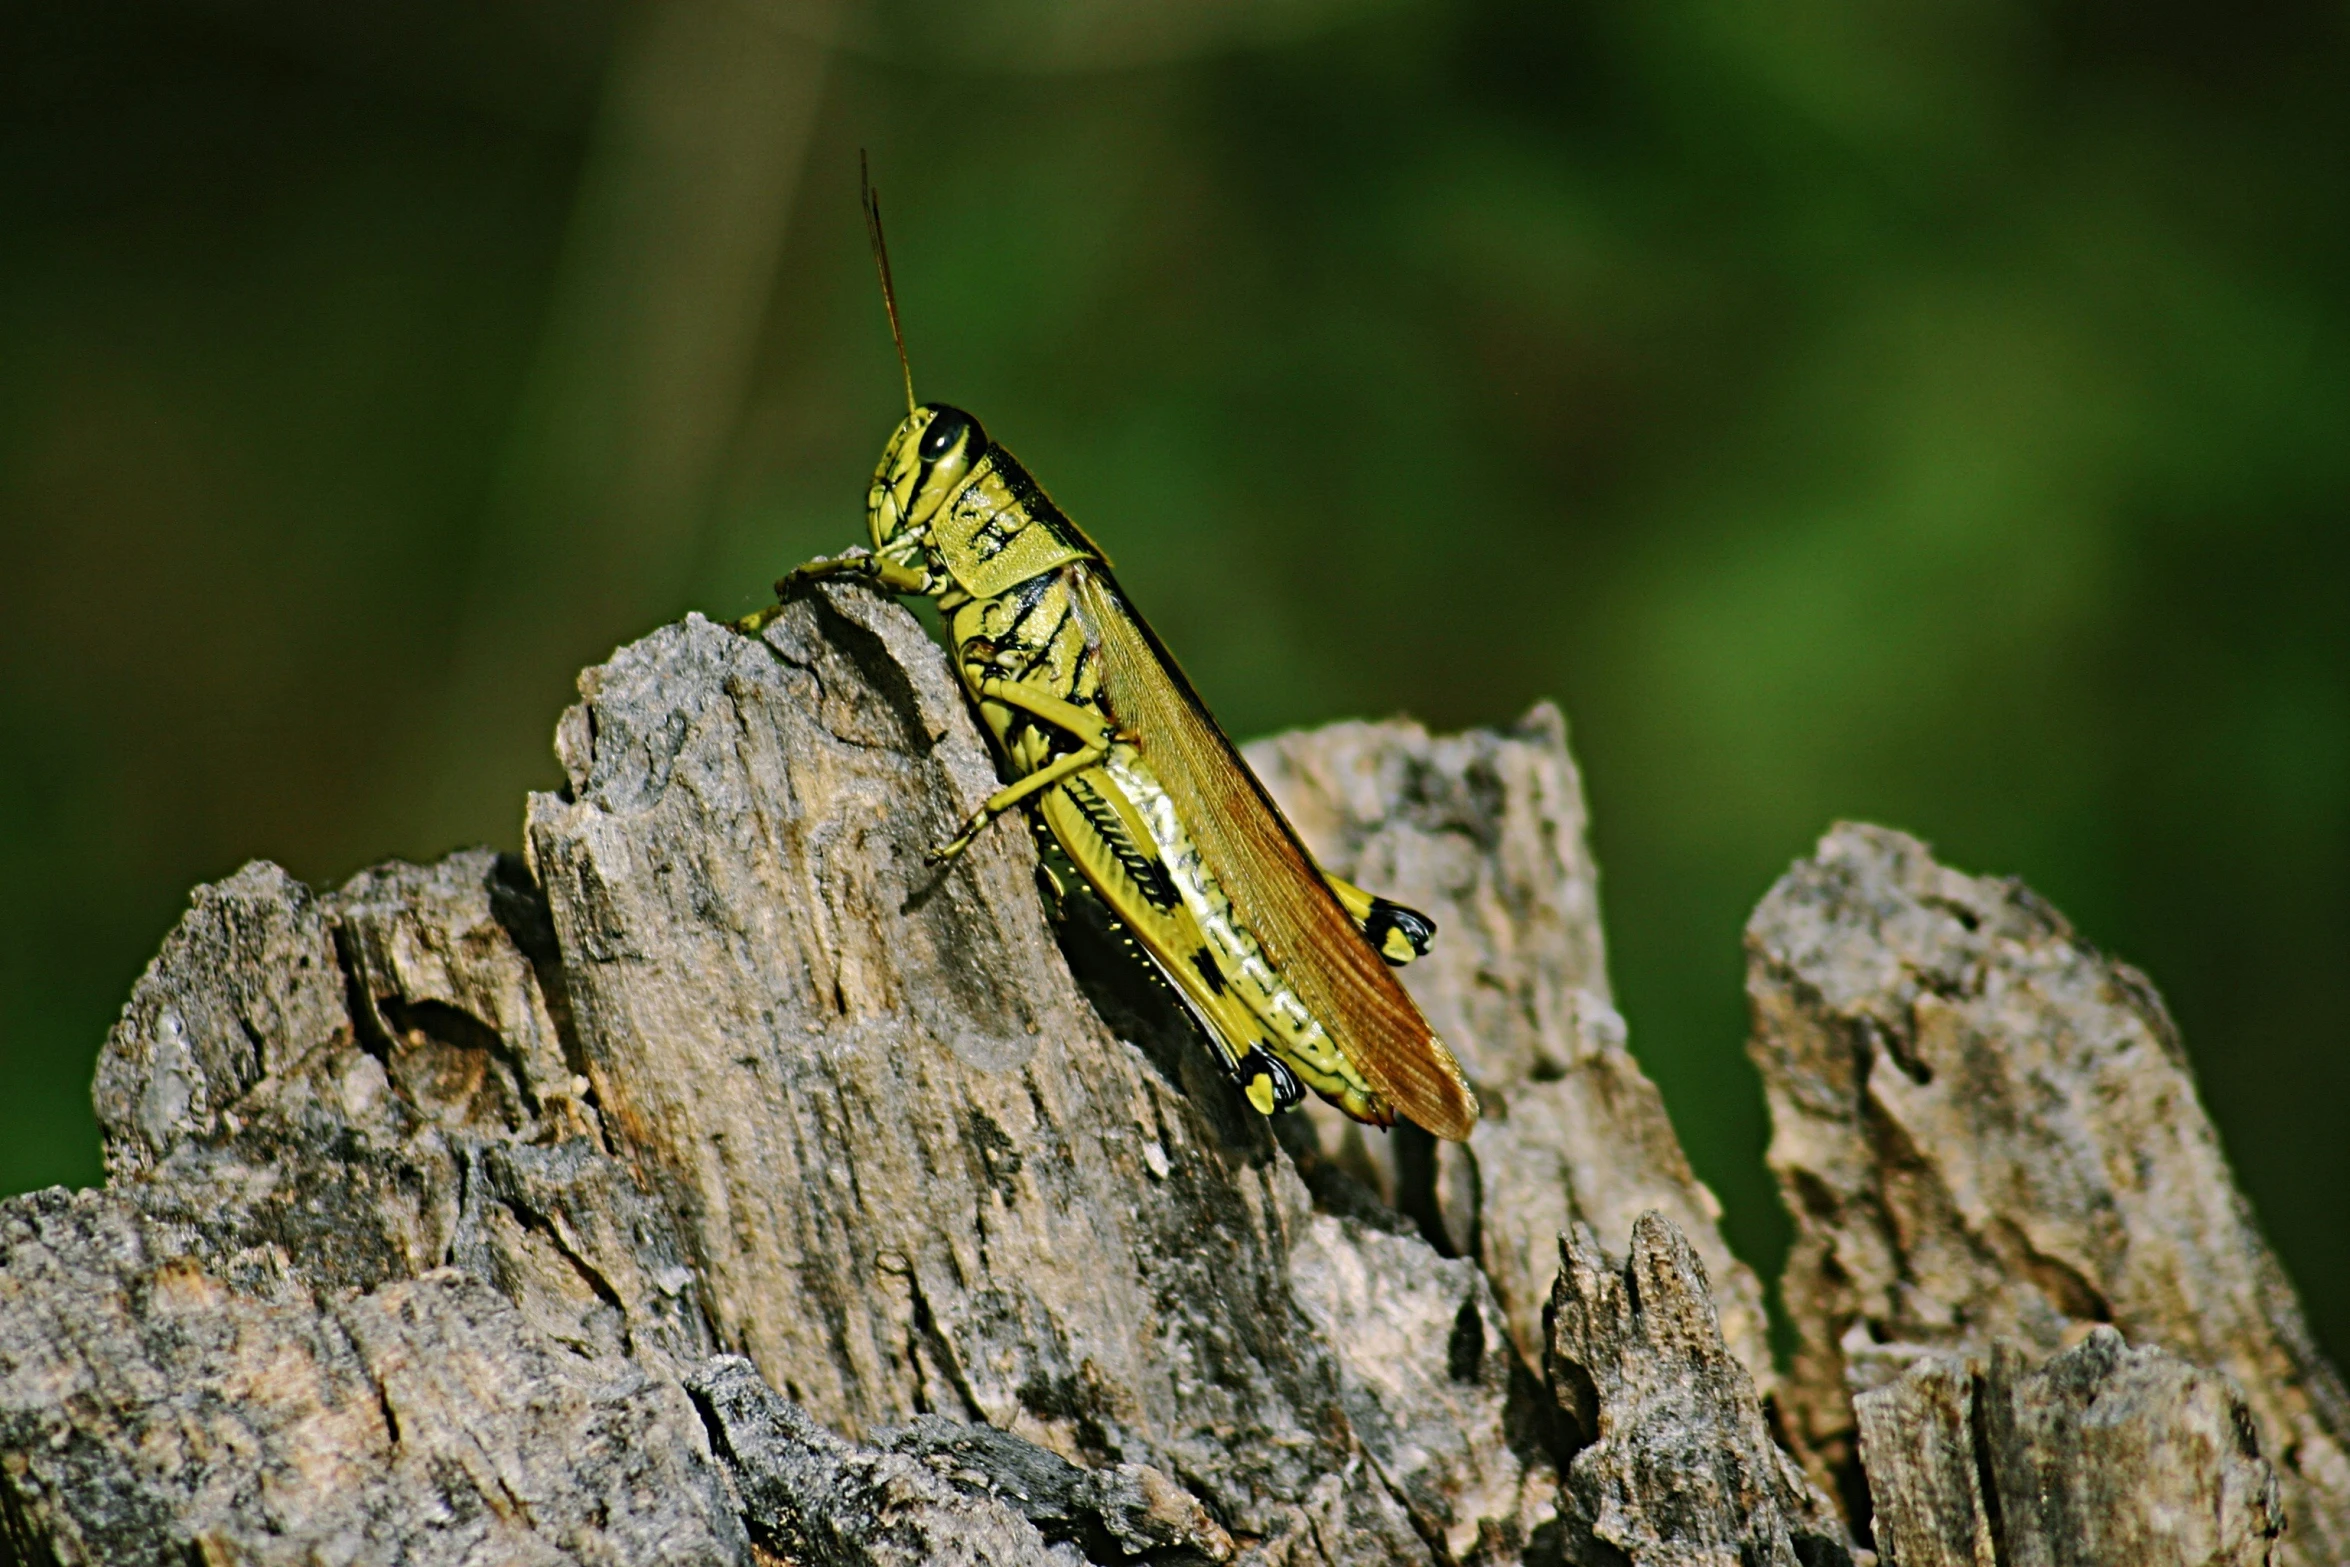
[
  {"x": 2102, "y": 1454},
  {"x": 164, "y": 1402},
  {"x": 1487, "y": 833},
  {"x": 721, "y": 1185},
  {"x": 1985, "y": 1129},
  {"x": 739, "y": 1073},
  {"x": 1677, "y": 1467},
  {"x": 936, "y": 1490}
]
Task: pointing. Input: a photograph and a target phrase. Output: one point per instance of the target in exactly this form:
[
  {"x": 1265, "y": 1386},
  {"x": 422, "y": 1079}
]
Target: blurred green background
[{"x": 1934, "y": 413}]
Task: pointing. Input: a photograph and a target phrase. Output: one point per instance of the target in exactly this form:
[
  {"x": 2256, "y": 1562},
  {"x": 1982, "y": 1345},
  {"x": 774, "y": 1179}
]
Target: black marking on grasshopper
[
  {"x": 1027, "y": 507},
  {"x": 994, "y": 539},
  {"x": 1024, "y": 599},
  {"x": 1261, "y": 1062},
  {"x": 1148, "y": 872},
  {"x": 1205, "y": 962},
  {"x": 1417, "y": 929},
  {"x": 1011, "y": 520},
  {"x": 1043, "y": 648}
]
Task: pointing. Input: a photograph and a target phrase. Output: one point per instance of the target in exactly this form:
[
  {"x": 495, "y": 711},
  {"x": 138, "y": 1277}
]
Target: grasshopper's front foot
[
  {"x": 883, "y": 571},
  {"x": 855, "y": 561}
]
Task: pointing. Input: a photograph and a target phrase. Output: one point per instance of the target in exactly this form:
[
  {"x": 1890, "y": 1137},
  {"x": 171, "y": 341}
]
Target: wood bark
[
  {"x": 1677, "y": 1466},
  {"x": 1487, "y": 833},
  {"x": 2104, "y": 1453},
  {"x": 1988, "y": 1135},
  {"x": 716, "y": 1183}
]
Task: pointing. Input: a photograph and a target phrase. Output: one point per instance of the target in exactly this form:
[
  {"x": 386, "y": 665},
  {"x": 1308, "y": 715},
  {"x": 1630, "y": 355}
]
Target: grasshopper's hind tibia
[{"x": 1396, "y": 933}]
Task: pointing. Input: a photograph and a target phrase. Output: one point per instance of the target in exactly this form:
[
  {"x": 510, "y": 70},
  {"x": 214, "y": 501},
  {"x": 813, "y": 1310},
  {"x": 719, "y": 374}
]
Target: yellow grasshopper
[{"x": 1136, "y": 789}]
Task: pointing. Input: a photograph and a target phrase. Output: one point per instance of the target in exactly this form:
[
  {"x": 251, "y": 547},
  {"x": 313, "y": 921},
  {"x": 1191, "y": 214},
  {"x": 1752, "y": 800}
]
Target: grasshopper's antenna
[{"x": 889, "y": 292}]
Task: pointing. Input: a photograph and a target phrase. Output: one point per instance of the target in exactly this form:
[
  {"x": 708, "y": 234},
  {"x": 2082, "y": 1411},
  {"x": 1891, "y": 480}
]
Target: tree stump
[
  {"x": 717, "y": 1184},
  {"x": 1988, "y": 1134}
]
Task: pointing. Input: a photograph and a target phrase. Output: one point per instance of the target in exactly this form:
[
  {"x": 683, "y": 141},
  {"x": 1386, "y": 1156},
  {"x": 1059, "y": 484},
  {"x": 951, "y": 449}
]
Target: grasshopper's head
[{"x": 929, "y": 455}]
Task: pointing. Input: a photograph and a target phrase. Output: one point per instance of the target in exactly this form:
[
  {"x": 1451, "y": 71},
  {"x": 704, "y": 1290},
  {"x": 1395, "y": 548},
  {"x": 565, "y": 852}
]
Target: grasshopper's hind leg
[{"x": 1396, "y": 933}]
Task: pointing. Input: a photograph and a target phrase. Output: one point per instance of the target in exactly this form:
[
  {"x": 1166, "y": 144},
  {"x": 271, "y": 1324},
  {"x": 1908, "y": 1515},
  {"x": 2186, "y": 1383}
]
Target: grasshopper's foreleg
[
  {"x": 1094, "y": 733},
  {"x": 892, "y": 576}
]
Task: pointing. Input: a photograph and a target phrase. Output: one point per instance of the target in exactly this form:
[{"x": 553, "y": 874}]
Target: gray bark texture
[
  {"x": 2104, "y": 1453},
  {"x": 1991, "y": 1143},
  {"x": 716, "y": 1183}
]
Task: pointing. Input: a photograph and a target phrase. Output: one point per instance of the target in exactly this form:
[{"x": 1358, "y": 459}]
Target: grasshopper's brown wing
[{"x": 1274, "y": 886}]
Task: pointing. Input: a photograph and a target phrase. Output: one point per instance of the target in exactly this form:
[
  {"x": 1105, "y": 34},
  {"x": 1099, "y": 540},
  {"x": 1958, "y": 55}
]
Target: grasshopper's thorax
[{"x": 945, "y": 497}]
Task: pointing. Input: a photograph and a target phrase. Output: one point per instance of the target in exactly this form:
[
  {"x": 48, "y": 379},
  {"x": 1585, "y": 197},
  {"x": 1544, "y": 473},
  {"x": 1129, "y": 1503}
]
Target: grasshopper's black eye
[{"x": 948, "y": 426}]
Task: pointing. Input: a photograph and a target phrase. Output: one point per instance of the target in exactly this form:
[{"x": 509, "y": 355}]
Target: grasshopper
[{"x": 1132, "y": 786}]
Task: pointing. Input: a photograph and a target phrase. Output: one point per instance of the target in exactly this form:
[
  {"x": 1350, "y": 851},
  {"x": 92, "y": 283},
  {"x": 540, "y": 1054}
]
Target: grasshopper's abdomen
[{"x": 1241, "y": 965}]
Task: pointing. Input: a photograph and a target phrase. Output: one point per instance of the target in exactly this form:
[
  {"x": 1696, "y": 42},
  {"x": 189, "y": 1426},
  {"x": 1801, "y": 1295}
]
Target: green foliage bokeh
[{"x": 1937, "y": 415}]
